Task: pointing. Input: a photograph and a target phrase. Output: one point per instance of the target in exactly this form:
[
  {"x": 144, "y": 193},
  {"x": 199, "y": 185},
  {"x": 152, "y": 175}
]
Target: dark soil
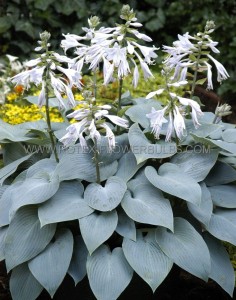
[{"x": 179, "y": 285}]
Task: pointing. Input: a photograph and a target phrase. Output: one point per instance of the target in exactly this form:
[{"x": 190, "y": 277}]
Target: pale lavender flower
[
  {"x": 152, "y": 94},
  {"x": 42, "y": 96},
  {"x": 170, "y": 128},
  {"x": 209, "y": 77},
  {"x": 30, "y": 76},
  {"x": 110, "y": 136},
  {"x": 179, "y": 124},
  {"x": 118, "y": 121},
  {"x": 196, "y": 110},
  {"x": 156, "y": 120},
  {"x": 222, "y": 74}
]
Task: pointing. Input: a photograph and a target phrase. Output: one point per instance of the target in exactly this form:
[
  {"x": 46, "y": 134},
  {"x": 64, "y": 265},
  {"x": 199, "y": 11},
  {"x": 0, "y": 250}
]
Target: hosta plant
[{"x": 135, "y": 185}]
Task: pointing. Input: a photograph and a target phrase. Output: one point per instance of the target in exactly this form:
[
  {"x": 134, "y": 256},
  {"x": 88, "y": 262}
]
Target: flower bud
[
  {"x": 45, "y": 36},
  {"x": 210, "y": 26},
  {"x": 93, "y": 22}
]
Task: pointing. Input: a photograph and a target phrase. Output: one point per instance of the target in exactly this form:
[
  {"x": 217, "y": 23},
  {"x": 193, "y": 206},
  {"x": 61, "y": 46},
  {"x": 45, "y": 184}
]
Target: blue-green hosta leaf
[
  {"x": 46, "y": 165},
  {"x": 172, "y": 180},
  {"x": 6, "y": 202},
  {"x": 143, "y": 149},
  {"x": 13, "y": 151},
  {"x": 148, "y": 205},
  {"x": 77, "y": 269},
  {"x": 105, "y": 198},
  {"x": 221, "y": 173},
  {"x": 108, "y": 272},
  {"x": 33, "y": 191},
  {"x": 9, "y": 169},
  {"x": 126, "y": 226},
  {"x": 147, "y": 259},
  {"x": 67, "y": 204},
  {"x": 3, "y": 232},
  {"x": 105, "y": 155},
  {"x": 203, "y": 211},
  {"x": 97, "y": 228},
  {"x": 25, "y": 238},
  {"x": 229, "y": 135},
  {"x": 78, "y": 163},
  {"x": 224, "y": 195},
  {"x": 127, "y": 166},
  {"x": 222, "y": 270},
  {"x": 223, "y": 225},
  {"x": 12, "y": 133},
  {"x": 186, "y": 248},
  {"x": 230, "y": 147},
  {"x": 196, "y": 164},
  {"x": 137, "y": 113},
  {"x": 23, "y": 284},
  {"x": 51, "y": 265}
]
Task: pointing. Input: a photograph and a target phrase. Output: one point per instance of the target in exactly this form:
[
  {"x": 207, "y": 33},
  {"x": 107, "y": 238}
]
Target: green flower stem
[
  {"x": 96, "y": 160},
  {"x": 119, "y": 100},
  {"x": 95, "y": 85},
  {"x": 50, "y": 132},
  {"x": 195, "y": 73}
]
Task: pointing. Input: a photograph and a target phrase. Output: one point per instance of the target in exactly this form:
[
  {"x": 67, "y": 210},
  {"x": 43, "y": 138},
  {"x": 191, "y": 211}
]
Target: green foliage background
[{"x": 22, "y": 20}]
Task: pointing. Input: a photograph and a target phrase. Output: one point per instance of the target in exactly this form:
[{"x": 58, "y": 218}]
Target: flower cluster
[
  {"x": 193, "y": 52},
  {"x": 90, "y": 119},
  {"x": 189, "y": 53},
  {"x": 175, "y": 109},
  {"x": 42, "y": 71},
  {"x": 116, "y": 47}
]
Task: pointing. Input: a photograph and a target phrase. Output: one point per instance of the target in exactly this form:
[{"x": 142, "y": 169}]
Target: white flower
[
  {"x": 179, "y": 123},
  {"x": 135, "y": 76},
  {"x": 71, "y": 40},
  {"x": 118, "y": 121},
  {"x": 222, "y": 74},
  {"x": 42, "y": 98},
  {"x": 79, "y": 114},
  {"x": 141, "y": 36},
  {"x": 26, "y": 77},
  {"x": 170, "y": 128},
  {"x": 94, "y": 133},
  {"x": 73, "y": 133},
  {"x": 196, "y": 110},
  {"x": 110, "y": 136},
  {"x": 73, "y": 76},
  {"x": 209, "y": 77},
  {"x": 152, "y": 94},
  {"x": 33, "y": 62},
  {"x": 156, "y": 120},
  {"x": 148, "y": 52}
]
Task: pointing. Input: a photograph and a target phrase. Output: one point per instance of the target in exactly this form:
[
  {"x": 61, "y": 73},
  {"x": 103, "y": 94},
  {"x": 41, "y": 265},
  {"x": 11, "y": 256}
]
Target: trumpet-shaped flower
[
  {"x": 156, "y": 120},
  {"x": 196, "y": 110},
  {"x": 179, "y": 124},
  {"x": 222, "y": 74}
]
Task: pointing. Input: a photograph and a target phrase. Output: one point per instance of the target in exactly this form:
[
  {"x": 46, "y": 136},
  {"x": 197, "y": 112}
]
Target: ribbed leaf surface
[
  {"x": 186, "y": 248},
  {"x": 105, "y": 198},
  {"x": 51, "y": 265},
  {"x": 172, "y": 180},
  {"x": 67, "y": 204},
  {"x": 147, "y": 259},
  {"x": 25, "y": 238},
  {"x": 108, "y": 272},
  {"x": 97, "y": 228}
]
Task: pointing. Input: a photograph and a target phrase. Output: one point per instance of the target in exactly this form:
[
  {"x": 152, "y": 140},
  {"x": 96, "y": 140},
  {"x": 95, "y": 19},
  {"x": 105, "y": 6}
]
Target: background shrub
[{"x": 22, "y": 20}]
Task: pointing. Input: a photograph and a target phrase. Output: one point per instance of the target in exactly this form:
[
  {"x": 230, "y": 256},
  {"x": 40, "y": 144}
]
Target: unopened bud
[
  {"x": 45, "y": 36},
  {"x": 210, "y": 26},
  {"x": 93, "y": 21},
  {"x": 127, "y": 13},
  {"x": 223, "y": 110}
]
